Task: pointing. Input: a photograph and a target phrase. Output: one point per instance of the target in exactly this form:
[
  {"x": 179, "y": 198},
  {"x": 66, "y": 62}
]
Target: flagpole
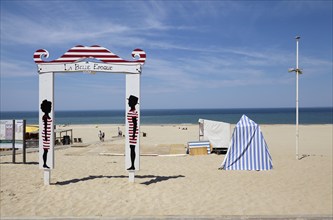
[{"x": 298, "y": 71}]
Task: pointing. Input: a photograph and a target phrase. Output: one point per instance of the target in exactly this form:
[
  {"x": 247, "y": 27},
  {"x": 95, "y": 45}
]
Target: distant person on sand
[
  {"x": 100, "y": 135},
  {"x": 132, "y": 118},
  {"x": 120, "y": 133},
  {"x": 46, "y": 107}
]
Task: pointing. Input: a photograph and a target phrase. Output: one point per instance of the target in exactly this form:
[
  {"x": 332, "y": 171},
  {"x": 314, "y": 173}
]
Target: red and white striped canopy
[{"x": 80, "y": 52}]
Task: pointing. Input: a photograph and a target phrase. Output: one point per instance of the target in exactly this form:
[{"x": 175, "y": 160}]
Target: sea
[{"x": 183, "y": 116}]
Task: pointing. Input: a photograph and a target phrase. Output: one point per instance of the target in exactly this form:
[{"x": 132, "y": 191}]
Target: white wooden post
[
  {"x": 131, "y": 176},
  {"x": 46, "y": 94},
  {"x": 47, "y": 177},
  {"x": 132, "y": 89}
]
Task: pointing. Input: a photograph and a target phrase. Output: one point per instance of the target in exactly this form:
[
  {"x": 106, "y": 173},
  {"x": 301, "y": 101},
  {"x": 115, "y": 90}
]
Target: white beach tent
[
  {"x": 216, "y": 132},
  {"x": 248, "y": 149}
]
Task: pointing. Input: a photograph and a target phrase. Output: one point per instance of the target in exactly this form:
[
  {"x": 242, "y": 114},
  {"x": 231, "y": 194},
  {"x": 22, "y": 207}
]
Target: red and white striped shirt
[
  {"x": 130, "y": 115},
  {"x": 47, "y": 137}
]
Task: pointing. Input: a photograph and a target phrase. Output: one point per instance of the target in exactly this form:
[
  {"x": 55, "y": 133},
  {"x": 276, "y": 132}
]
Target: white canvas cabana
[
  {"x": 248, "y": 149},
  {"x": 216, "y": 132}
]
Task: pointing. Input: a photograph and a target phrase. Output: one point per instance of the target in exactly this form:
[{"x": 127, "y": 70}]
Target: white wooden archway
[{"x": 76, "y": 59}]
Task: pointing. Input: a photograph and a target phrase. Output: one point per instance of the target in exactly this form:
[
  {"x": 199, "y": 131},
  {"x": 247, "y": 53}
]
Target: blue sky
[{"x": 200, "y": 54}]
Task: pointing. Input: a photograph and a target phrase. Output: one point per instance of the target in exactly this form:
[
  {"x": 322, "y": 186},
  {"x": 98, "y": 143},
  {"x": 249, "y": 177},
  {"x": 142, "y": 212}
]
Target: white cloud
[
  {"x": 17, "y": 69},
  {"x": 203, "y": 71}
]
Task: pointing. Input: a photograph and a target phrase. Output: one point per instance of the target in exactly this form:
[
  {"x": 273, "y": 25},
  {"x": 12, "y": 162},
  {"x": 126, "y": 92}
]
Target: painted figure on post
[
  {"x": 46, "y": 107},
  {"x": 132, "y": 118}
]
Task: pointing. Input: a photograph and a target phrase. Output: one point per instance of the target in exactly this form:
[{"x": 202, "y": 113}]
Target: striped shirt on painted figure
[
  {"x": 130, "y": 116},
  {"x": 47, "y": 137}
]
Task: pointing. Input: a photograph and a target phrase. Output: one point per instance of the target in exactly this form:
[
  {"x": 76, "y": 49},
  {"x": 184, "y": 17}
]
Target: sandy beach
[{"x": 90, "y": 180}]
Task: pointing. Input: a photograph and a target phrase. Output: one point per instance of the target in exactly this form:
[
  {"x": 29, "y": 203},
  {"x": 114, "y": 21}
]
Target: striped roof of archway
[{"x": 80, "y": 52}]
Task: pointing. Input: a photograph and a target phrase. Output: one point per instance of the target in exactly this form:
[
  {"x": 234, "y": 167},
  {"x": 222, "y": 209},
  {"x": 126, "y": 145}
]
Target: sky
[{"x": 200, "y": 54}]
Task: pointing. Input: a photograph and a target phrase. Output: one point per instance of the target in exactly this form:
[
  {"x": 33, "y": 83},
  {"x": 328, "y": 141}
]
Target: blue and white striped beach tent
[{"x": 248, "y": 149}]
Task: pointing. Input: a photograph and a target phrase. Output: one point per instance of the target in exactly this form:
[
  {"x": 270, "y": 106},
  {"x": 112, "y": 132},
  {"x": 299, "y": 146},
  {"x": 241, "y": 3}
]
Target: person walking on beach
[
  {"x": 100, "y": 135},
  {"x": 46, "y": 107},
  {"x": 132, "y": 118}
]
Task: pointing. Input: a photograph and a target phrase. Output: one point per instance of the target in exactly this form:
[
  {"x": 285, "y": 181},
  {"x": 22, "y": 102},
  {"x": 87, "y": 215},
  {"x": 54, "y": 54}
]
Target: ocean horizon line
[
  {"x": 307, "y": 115},
  {"x": 163, "y": 109}
]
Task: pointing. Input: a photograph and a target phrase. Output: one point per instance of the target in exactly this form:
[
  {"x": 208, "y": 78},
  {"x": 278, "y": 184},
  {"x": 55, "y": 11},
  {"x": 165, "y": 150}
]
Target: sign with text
[
  {"x": 90, "y": 67},
  {"x": 6, "y": 133}
]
